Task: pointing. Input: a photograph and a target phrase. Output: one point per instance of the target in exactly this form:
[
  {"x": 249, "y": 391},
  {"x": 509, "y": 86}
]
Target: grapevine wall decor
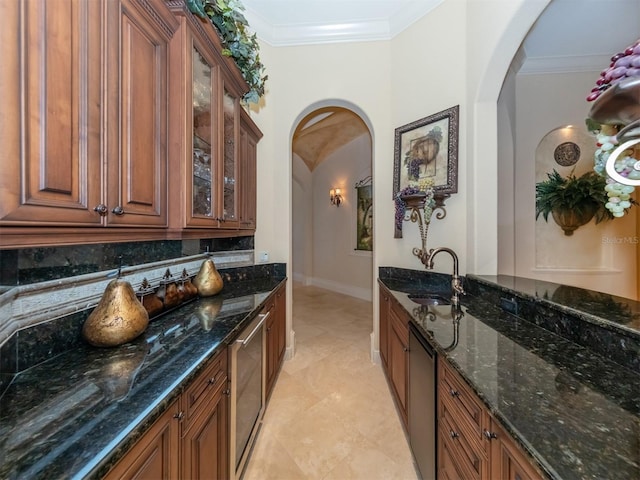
[
  {"x": 425, "y": 168},
  {"x": 428, "y": 149}
]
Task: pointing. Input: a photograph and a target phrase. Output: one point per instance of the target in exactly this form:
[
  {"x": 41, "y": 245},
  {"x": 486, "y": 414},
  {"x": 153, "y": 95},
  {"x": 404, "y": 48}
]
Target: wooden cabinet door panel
[
  {"x": 281, "y": 314},
  {"x": 205, "y": 444},
  {"x": 507, "y": 461},
  {"x": 51, "y": 140},
  {"x": 399, "y": 363},
  {"x": 249, "y": 137},
  {"x": 154, "y": 456},
  {"x": 271, "y": 347},
  {"x": 384, "y": 327},
  {"x": 138, "y": 107}
]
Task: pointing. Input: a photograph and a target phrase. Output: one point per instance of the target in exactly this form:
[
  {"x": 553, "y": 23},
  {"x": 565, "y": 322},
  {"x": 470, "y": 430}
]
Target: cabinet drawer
[
  {"x": 447, "y": 467},
  {"x": 205, "y": 385},
  {"x": 463, "y": 404},
  {"x": 467, "y": 455}
]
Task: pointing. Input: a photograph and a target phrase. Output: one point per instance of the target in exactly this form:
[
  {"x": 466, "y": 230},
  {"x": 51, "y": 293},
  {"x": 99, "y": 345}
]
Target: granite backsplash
[
  {"x": 32, "y": 265},
  {"x": 37, "y": 343}
]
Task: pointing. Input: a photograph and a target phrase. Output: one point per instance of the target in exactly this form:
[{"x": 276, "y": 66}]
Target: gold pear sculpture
[
  {"x": 118, "y": 318},
  {"x": 208, "y": 280}
]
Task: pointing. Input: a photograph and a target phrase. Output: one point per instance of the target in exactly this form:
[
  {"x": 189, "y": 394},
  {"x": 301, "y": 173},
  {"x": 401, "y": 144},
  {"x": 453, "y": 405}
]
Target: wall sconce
[{"x": 335, "y": 194}]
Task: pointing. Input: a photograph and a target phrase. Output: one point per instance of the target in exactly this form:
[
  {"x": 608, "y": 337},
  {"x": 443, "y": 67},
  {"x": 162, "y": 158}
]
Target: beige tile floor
[{"x": 331, "y": 415}]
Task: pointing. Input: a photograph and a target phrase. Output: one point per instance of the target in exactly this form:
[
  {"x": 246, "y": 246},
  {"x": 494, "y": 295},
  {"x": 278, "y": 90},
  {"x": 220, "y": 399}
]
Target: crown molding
[
  {"x": 356, "y": 31},
  {"x": 566, "y": 64}
]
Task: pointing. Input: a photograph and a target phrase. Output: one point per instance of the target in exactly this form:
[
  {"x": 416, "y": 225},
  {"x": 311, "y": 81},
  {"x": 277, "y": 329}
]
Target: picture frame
[
  {"x": 428, "y": 148},
  {"x": 364, "y": 215}
]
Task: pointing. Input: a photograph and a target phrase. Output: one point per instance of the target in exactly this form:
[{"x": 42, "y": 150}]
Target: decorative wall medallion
[{"x": 567, "y": 154}]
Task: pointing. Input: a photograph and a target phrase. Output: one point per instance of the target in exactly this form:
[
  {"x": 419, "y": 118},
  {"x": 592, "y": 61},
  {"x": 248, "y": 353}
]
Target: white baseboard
[
  {"x": 291, "y": 349},
  {"x": 375, "y": 354}
]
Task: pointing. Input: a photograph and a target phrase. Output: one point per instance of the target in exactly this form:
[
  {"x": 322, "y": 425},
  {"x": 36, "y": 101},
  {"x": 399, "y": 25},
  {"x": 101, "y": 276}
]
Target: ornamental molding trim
[{"x": 355, "y": 31}]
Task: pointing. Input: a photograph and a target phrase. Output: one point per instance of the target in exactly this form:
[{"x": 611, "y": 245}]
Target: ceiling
[{"x": 569, "y": 36}]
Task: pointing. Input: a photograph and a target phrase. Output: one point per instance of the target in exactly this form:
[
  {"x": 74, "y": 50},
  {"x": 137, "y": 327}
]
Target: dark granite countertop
[
  {"x": 575, "y": 412},
  {"x": 76, "y": 414},
  {"x": 594, "y": 307}
]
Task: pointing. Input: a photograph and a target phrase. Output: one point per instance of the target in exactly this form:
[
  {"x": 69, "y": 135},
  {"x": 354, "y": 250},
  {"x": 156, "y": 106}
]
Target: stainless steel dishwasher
[
  {"x": 422, "y": 403},
  {"x": 248, "y": 371}
]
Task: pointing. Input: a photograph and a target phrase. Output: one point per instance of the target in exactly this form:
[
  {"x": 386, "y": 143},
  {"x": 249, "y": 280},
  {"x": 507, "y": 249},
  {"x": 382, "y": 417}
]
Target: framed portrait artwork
[
  {"x": 364, "y": 215},
  {"x": 428, "y": 148}
]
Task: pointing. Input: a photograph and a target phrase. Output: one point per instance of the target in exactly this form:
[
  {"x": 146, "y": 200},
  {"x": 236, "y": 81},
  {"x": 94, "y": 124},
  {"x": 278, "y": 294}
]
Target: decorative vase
[{"x": 569, "y": 220}]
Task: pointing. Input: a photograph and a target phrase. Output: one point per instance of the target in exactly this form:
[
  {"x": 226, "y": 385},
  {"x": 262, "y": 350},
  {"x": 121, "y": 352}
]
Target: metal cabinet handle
[
  {"x": 263, "y": 317},
  {"x": 454, "y": 393},
  {"x": 490, "y": 435},
  {"x": 453, "y": 434},
  {"x": 101, "y": 209},
  {"x": 118, "y": 210},
  {"x": 179, "y": 415},
  {"x": 212, "y": 380},
  {"x": 227, "y": 392}
]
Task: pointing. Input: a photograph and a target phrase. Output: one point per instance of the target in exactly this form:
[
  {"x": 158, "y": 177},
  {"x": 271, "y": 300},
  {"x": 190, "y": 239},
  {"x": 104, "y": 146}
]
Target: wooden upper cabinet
[
  {"x": 138, "y": 35},
  {"x": 84, "y": 89},
  {"x": 207, "y": 139},
  {"x": 50, "y": 89},
  {"x": 230, "y": 132},
  {"x": 119, "y": 113},
  {"x": 250, "y": 135}
]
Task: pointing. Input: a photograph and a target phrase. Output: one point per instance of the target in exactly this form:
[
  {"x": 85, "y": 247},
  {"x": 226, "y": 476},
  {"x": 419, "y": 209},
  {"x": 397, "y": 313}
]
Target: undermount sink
[{"x": 430, "y": 299}]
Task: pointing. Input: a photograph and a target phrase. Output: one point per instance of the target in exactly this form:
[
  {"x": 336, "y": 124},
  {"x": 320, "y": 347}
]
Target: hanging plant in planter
[
  {"x": 573, "y": 201},
  {"x": 238, "y": 42}
]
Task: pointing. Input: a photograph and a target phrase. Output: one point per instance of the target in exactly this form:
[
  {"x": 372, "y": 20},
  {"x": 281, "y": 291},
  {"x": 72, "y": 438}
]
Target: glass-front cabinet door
[
  {"x": 230, "y": 105},
  {"x": 203, "y": 194}
]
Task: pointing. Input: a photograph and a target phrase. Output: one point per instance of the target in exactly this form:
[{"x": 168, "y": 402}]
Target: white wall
[
  {"x": 590, "y": 258},
  {"x": 302, "y": 214},
  {"x": 336, "y": 265},
  {"x": 458, "y": 54},
  {"x": 506, "y": 176},
  {"x": 323, "y": 234}
]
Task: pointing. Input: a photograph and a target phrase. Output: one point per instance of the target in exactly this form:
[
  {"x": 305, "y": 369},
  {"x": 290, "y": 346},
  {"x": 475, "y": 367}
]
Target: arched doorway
[{"x": 332, "y": 201}]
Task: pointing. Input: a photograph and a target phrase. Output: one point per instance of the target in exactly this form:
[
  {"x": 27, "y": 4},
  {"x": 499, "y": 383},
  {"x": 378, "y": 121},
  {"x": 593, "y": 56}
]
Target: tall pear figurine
[
  {"x": 118, "y": 318},
  {"x": 208, "y": 280}
]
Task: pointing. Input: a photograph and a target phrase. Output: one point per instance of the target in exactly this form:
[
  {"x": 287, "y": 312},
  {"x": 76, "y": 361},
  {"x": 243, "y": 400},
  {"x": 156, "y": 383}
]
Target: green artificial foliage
[
  {"x": 579, "y": 194},
  {"x": 238, "y": 43}
]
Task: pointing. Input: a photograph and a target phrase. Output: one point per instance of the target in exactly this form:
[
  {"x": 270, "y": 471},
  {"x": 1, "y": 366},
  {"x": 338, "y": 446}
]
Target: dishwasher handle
[{"x": 260, "y": 320}]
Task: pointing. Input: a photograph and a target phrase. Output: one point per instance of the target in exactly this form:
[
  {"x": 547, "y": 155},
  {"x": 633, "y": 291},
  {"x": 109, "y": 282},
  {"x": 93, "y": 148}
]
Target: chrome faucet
[{"x": 456, "y": 282}]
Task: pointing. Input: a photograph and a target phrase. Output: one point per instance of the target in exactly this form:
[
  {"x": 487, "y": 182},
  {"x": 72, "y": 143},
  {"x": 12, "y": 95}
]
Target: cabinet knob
[
  {"x": 454, "y": 393},
  {"x": 179, "y": 415},
  {"x": 118, "y": 210},
  {"x": 453, "y": 434},
  {"x": 212, "y": 380},
  {"x": 101, "y": 209},
  {"x": 406, "y": 349},
  {"x": 490, "y": 435},
  {"x": 227, "y": 392}
]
